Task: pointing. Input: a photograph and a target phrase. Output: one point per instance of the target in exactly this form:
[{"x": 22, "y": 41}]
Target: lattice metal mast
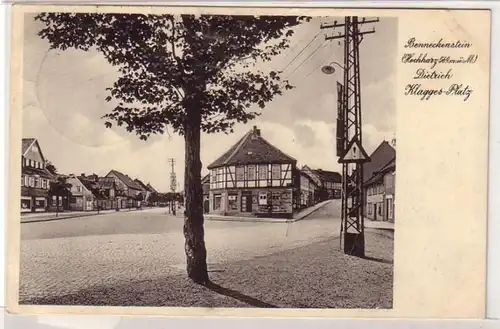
[
  {"x": 173, "y": 177},
  {"x": 352, "y": 155}
]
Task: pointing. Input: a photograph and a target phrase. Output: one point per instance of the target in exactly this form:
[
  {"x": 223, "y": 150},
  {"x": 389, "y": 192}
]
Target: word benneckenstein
[{"x": 413, "y": 43}]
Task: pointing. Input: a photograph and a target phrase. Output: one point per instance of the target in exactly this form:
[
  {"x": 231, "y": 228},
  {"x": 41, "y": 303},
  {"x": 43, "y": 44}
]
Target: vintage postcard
[{"x": 242, "y": 161}]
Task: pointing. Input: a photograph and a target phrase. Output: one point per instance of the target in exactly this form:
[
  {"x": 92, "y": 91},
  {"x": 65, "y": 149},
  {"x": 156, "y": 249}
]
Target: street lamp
[{"x": 330, "y": 69}]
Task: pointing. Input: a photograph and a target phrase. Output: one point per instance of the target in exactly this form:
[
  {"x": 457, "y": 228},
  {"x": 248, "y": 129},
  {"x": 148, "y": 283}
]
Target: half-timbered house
[{"x": 254, "y": 178}]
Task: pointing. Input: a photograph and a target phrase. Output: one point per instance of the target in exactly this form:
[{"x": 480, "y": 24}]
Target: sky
[{"x": 64, "y": 100}]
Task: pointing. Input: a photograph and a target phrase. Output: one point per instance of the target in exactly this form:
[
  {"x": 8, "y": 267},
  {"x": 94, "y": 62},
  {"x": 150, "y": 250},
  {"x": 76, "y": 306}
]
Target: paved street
[{"x": 68, "y": 255}]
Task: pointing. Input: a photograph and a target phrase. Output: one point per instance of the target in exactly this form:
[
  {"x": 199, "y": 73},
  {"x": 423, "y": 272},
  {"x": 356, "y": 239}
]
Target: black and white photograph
[{"x": 208, "y": 161}]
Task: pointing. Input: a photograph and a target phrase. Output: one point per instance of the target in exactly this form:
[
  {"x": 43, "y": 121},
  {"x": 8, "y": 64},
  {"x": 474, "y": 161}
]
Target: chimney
[
  {"x": 256, "y": 131},
  {"x": 82, "y": 174}
]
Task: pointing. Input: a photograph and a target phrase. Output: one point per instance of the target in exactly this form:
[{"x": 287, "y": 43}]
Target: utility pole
[
  {"x": 173, "y": 184},
  {"x": 350, "y": 151}
]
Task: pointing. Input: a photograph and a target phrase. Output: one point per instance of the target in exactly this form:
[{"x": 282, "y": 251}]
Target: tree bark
[{"x": 196, "y": 254}]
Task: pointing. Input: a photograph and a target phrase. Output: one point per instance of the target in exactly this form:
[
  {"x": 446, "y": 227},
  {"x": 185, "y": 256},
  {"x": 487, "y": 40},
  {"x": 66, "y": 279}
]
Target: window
[
  {"x": 54, "y": 200},
  {"x": 276, "y": 171},
  {"x": 240, "y": 173},
  {"x": 32, "y": 181},
  {"x": 22, "y": 180},
  {"x": 263, "y": 172},
  {"x": 263, "y": 198},
  {"x": 44, "y": 183},
  {"x": 251, "y": 172},
  {"x": 78, "y": 189}
]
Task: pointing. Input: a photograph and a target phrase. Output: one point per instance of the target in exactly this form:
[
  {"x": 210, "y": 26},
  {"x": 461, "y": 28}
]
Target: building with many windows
[
  {"x": 127, "y": 190},
  {"x": 379, "y": 183},
  {"x": 328, "y": 183},
  {"x": 308, "y": 190},
  {"x": 35, "y": 178},
  {"x": 254, "y": 178}
]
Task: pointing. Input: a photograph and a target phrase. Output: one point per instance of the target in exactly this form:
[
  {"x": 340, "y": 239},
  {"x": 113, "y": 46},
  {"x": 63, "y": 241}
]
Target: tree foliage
[
  {"x": 170, "y": 65},
  {"x": 60, "y": 187},
  {"x": 51, "y": 168}
]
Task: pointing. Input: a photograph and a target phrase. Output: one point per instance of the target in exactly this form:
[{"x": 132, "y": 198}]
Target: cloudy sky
[{"x": 64, "y": 100}]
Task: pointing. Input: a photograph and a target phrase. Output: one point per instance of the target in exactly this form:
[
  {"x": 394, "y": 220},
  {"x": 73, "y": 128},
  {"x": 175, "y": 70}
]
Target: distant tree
[
  {"x": 154, "y": 198},
  {"x": 99, "y": 195},
  {"x": 51, "y": 168},
  {"x": 191, "y": 73},
  {"x": 59, "y": 188}
]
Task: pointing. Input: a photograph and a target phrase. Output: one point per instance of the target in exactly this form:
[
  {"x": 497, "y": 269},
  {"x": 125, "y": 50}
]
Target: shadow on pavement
[
  {"x": 239, "y": 296},
  {"x": 379, "y": 260}
]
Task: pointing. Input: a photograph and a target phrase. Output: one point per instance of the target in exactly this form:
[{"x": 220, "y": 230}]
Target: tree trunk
[{"x": 196, "y": 253}]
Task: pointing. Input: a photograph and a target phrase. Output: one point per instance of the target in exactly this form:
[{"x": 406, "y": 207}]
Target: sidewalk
[
  {"x": 51, "y": 216},
  {"x": 380, "y": 225},
  {"x": 296, "y": 217}
]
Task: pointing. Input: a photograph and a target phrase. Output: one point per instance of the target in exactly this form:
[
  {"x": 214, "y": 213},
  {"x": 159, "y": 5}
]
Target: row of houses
[
  {"x": 379, "y": 183},
  {"x": 44, "y": 189},
  {"x": 255, "y": 178}
]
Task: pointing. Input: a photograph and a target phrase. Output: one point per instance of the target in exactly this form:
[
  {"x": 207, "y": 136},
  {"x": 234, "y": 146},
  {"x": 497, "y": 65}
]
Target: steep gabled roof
[
  {"x": 252, "y": 148},
  {"x": 307, "y": 175},
  {"x": 106, "y": 182},
  {"x": 126, "y": 180},
  {"x": 329, "y": 176},
  {"x": 151, "y": 188},
  {"x": 26, "y": 143},
  {"x": 141, "y": 184},
  {"x": 382, "y": 155},
  {"x": 379, "y": 174}
]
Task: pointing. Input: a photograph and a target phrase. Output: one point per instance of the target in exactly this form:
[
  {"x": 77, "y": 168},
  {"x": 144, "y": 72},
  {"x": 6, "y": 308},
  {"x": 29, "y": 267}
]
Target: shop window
[
  {"x": 233, "y": 202},
  {"x": 40, "y": 204},
  {"x": 22, "y": 180},
  {"x": 25, "y": 204},
  {"x": 217, "y": 201}
]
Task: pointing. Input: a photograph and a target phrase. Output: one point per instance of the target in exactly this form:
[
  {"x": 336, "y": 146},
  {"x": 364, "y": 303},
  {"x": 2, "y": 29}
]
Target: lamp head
[{"x": 328, "y": 69}]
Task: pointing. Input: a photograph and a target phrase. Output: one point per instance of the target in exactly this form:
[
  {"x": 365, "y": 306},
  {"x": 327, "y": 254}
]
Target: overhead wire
[
  {"x": 301, "y": 51},
  {"x": 306, "y": 59}
]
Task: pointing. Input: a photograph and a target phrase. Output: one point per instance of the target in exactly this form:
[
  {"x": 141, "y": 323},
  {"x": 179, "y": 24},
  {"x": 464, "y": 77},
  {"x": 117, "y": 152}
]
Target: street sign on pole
[{"x": 355, "y": 153}]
